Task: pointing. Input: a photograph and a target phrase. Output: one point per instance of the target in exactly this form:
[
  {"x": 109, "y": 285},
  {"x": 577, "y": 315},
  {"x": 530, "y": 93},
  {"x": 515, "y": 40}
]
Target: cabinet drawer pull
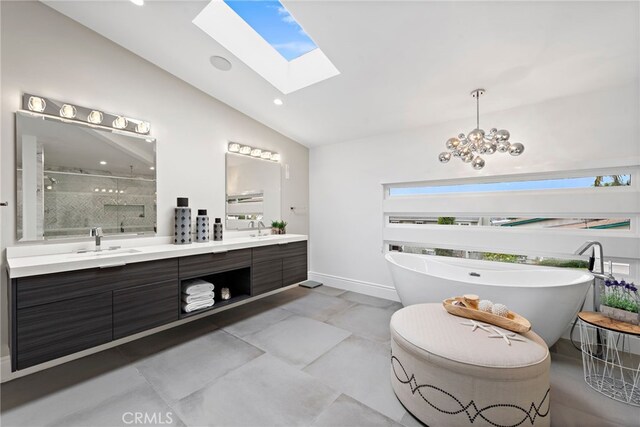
[{"x": 118, "y": 264}]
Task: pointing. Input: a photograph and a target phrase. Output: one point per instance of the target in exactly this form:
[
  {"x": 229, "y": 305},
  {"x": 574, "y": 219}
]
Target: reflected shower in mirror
[
  {"x": 72, "y": 176},
  {"x": 253, "y": 192}
]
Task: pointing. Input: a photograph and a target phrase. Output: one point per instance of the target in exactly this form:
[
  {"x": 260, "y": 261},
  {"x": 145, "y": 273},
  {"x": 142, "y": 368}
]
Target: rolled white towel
[
  {"x": 188, "y": 308},
  {"x": 197, "y": 286},
  {"x": 197, "y": 297}
]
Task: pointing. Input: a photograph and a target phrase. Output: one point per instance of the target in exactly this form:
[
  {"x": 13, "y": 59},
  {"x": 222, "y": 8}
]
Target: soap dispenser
[
  {"x": 217, "y": 230},
  {"x": 182, "y": 235},
  {"x": 202, "y": 226}
]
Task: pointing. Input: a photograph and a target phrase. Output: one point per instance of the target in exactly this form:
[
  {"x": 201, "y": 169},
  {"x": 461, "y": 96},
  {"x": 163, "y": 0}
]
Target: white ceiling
[{"x": 403, "y": 64}]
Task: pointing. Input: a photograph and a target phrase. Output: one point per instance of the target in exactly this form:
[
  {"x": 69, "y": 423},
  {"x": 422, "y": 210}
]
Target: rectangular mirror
[
  {"x": 72, "y": 176},
  {"x": 253, "y": 192}
]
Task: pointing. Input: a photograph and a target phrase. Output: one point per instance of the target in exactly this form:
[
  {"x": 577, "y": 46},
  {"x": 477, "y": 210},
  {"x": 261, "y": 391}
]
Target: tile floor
[{"x": 299, "y": 358}]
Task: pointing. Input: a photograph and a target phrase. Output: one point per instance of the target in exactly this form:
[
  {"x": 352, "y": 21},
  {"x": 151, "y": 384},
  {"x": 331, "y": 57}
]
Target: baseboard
[
  {"x": 5, "y": 368},
  {"x": 367, "y": 288}
]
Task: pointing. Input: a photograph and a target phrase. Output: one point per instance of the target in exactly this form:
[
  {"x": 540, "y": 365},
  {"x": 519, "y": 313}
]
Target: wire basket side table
[{"x": 609, "y": 366}]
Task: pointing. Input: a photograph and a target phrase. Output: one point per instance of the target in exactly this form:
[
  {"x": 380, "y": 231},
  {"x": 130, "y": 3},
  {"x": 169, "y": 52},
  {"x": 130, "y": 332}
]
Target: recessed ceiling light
[
  {"x": 278, "y": 101},
  {"x": 138, "y": 2},
  {"x": 102, "y": 162},
  {"x": 220, "y": 63}
]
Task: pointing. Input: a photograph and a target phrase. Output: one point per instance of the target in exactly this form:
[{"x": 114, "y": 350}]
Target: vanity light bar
[
  {"x": 66, "y": 111},
  {"x": 257, "y": 153}
]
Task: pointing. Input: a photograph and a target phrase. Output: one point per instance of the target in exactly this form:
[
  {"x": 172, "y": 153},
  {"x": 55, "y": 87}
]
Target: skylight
[
  {"x": 275, "y": 24},
  {"x": 298, "y": 64}
]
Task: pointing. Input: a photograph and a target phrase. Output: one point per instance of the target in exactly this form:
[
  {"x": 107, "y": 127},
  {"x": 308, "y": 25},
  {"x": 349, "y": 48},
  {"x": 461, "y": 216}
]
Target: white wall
[
  {"x": 592, "y": 130},
  {"x": 46, "y": 53}
]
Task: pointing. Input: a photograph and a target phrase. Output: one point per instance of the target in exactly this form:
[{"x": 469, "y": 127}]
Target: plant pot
[
  {"x": 278, "y": 230},
  {"x": 621, "y": 315}
]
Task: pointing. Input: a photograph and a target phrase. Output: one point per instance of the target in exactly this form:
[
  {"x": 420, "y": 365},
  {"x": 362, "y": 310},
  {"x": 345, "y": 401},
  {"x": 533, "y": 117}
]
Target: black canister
[
  {"x": 217, "y": 230},
  {"x": 182, "y": 234},
  {"x": 202, "y": 226}
]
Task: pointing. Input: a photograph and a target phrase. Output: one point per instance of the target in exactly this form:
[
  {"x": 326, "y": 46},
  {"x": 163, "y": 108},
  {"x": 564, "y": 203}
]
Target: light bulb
[
  {"x": 95, "y": 117},
  {"x": 476, "y": 135},
  {"x": 516, "y": 149},
  {"x": 234, "y": 147},
  {"x": 143, "y": 127},
  {"x": 477, "y": 163},
  {"x": 278, "y": 101},
  {"x": 266, "y": 155},
  {"x": 444, "y": 157},
  {"x": 68, "y": 111},
  {"x": 452, "y": 143},
  {"x": 503, "y": 147},
  {"x": 502, "y": 135},
  {"x": 256, "y": 152},
  {"x": 37, "y": 104},
  {"x": 245, "y": 149},
  {"x": 120, "y": 122},
  {"x": 275, "y": 157}
]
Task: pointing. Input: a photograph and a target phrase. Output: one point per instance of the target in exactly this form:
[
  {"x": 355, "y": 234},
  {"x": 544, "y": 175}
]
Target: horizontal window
[
  {"x": 491, "y": 256},
  {"x": 519, "y": 222},
  {"x": 539, "y": 184}
]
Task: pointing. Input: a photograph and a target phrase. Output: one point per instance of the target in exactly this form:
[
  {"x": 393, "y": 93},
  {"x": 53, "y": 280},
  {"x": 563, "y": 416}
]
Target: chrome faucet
[
  {"x": 98, "y": 234},
  {"x": 260, "y": 227},
  {"x": 252, "y": 224},
  {"x": 597, "y": 254}
]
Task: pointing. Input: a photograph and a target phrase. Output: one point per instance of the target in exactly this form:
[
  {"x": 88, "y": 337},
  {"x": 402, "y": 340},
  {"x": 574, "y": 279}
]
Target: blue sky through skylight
[
  {"x": 275, "y": 24},
  {"x": 544, "y": 184}
]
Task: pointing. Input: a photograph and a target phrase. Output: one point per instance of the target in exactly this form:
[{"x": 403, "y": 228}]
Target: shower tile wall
[{"x": 75, "y": 203}]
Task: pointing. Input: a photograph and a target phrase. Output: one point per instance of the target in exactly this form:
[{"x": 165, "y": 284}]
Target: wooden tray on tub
[{"x": 514, "y": 322}]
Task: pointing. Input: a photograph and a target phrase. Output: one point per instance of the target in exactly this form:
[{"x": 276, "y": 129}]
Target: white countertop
[{"x": 19, "y": 265}]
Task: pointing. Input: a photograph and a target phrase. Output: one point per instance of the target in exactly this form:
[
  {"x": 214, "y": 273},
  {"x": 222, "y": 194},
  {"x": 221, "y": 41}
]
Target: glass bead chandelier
[{"x": 469, "y": 147}]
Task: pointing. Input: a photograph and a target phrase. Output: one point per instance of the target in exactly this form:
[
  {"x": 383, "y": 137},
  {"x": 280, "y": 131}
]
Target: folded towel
[
  {"x": 188, "y": 308},
  {"x": 197, "y": 297},
  {"x": 197, "y": 286}
]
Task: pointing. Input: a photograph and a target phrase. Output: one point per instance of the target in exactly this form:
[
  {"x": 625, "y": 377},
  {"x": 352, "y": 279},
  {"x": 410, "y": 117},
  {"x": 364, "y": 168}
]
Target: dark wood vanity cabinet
[
  {"x": 279, "y": 265},
  {"x": 54, "y": 315}
]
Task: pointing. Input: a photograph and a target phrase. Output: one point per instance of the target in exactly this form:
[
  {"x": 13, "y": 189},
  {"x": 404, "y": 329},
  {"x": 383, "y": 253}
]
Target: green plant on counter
[
  {"x": 621, "y": 295},
  {"x": 279, "y": 227}
]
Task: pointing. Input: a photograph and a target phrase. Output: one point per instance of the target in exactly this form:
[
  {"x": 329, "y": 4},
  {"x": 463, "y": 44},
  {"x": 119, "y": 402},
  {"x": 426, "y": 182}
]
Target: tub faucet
[
  {"x": 597, "y": 254},
  {"x": 98, "y": 234}
]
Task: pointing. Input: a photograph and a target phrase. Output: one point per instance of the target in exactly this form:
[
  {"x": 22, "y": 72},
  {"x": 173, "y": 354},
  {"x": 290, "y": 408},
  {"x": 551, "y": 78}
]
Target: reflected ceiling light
[
  {"x": 120, "y": 122},
  {"x": 152, "y": 168},
  {"x": 138, "y": 2},
  {"x": 275, "y": 157},
  {"x": 104, "y": 190},
  {"x": 102, "y": 162},
  {"x": 95, "y": 117},
  {"x": 220, "y": 63},
  {"x": 245, "y": 149},
  {"x": 278, "y": 101},
  {"x": 256, "y": 152},
  {"x": 143, "y": 127},
  {"x": 68, "y": 111},
  {"x": 234, "y": 147},
  {"x": 266, "y": 155},
  {"x": 469, "y": 147},
  {"x": 96, "y": 190},
  {"x": 37, "y": 104},
  {"x": 49, "y": 187},
  {"x": 110, "y": 190},
  {"x": 121, "y": 191}
]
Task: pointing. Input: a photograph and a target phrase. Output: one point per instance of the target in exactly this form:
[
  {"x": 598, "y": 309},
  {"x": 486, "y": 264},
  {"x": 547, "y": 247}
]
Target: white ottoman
[{"x": 448, "y": 374}]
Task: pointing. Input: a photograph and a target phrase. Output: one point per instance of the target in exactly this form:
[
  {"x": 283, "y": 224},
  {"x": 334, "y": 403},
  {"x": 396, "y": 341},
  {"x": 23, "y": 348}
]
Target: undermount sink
[
  {"x": 265, "y": 237},
  {"x": 104, "y": 252}
]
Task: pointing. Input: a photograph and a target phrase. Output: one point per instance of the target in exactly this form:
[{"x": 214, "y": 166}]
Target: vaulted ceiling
[{"x": 402, "y": 64}]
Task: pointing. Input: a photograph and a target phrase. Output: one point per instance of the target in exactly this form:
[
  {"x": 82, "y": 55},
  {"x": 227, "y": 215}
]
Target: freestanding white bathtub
[{"x": 549, "y": 297}]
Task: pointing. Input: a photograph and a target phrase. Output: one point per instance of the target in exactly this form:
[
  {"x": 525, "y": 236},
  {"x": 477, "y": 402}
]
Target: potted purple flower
[{"x": 620, "y": 301}]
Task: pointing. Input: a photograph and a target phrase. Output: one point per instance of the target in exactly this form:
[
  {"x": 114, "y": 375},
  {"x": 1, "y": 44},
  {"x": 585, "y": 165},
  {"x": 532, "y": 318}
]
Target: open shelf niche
[{"x": 239, "y": 284}]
